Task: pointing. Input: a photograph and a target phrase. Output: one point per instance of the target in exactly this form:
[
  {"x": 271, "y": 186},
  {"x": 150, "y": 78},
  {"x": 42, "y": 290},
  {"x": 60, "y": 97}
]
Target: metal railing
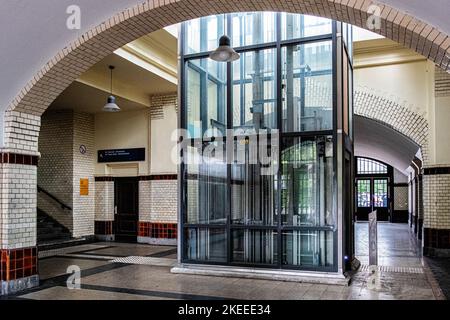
[{"x": 54, "y": 198}]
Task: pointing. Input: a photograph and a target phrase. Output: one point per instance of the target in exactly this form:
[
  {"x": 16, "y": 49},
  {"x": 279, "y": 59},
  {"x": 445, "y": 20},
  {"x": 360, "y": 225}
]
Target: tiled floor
[
  {"x": 440, "y": 268},
  {"x": 105, "y": 276}
]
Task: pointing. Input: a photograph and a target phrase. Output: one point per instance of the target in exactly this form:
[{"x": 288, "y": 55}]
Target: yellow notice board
[{"x": 84, "y": 187}]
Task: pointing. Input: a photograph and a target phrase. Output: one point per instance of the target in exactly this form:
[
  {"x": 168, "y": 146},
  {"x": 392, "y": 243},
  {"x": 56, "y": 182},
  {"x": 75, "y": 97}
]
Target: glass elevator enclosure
[{"x": 266, "y": 171}]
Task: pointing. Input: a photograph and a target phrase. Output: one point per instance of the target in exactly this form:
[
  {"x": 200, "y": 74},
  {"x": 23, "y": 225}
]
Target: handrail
[{"x": 62, "y": 204}]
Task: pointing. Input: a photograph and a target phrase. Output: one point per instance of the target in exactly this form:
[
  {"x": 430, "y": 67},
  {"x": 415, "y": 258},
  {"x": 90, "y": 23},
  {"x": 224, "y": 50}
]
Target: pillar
[{"x": 18, "y": 188}]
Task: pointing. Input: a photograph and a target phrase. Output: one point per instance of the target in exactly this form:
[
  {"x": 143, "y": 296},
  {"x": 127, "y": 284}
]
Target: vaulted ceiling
[{"x": 380, "y": 142}]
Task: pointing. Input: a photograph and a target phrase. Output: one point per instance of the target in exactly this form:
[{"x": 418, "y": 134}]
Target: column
[{"x": 18, "y": 188}]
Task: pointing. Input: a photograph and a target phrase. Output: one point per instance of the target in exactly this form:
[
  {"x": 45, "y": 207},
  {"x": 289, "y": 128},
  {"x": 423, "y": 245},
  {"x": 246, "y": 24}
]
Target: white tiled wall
[
  {"x": 158, "y": 201},
  {"x": 18, "y": 206},
  {"x": 104, "y": 200},
  {"x": 437, "y": 201},
  {"x": 56, "y": 164},
  {"x": 83, "y": 168}
]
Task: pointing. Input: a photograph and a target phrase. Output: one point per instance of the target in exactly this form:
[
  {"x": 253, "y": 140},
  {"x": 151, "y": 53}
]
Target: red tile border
[
  {"x": 18, "y": 263},
  {"x": 157, "y": 230},
  {"x": 436, "y": 238},
  {"x": 104, "y": 228},
  {"x": 15, "y": 158}
]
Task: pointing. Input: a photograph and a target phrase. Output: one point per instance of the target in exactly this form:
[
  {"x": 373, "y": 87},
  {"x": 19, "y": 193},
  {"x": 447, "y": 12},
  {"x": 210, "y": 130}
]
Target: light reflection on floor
[{"x": 103, "y": 279}]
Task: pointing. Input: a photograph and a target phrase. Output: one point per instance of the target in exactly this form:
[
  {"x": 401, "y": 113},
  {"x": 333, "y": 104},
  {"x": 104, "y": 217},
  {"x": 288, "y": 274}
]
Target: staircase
[{"x": 49, "y": 230}]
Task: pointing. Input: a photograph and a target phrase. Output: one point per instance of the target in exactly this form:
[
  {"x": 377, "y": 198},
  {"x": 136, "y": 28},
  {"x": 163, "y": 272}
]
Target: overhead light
[
  {"x": 111, "y": 105},
  {"x": 224, "y": 53}
]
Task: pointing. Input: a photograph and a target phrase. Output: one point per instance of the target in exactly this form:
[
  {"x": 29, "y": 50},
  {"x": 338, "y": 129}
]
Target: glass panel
[
  {"x": 307, "y": 87},
  {"x": 250, "y": 28},
  {"x": 363, "y": 191},
  {"x": 231, "y": 207},
  {"x": 368, "y": 166},
  {"x": 252, "y": 193},
  {"x": 345, "y": 32},
  {"x": 203, "y": 34},
  {"x": 380, "y": 193},
  {"x": 206, "y": 97},
  {"x": 206, "y": 244},
  {"x": 206, "y": 183},
  {"x": 295, "y": 26},
  {"x": 350, "y": 42},
  {"x": 308, "y": 248},
  {"x": 254, "y": 246},
  {"x": 307, "y": 182},
  {"x": 254, "y": 89},
  {"x": 345, "y": 91},
  {"x": 350, "y": 100}
]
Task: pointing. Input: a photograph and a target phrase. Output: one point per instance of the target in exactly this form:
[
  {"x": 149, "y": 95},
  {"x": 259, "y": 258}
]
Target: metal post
[{"x": 373, "y": 240}]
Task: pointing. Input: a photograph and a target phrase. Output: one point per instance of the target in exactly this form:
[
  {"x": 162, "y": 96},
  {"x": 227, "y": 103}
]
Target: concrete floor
[{"x": 142, "y": 272}]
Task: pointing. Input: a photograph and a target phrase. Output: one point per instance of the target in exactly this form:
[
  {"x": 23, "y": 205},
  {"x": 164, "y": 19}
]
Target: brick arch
[
  {"x": 151, "y": 15},
  {"x": 396, "y": 115}
]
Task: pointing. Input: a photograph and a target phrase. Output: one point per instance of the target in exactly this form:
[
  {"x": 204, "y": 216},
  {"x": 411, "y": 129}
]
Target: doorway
[
  {"x": 126, "y": 209},
  {"x": 373, "y": 190},
  {"x": 372, "y": 194}
]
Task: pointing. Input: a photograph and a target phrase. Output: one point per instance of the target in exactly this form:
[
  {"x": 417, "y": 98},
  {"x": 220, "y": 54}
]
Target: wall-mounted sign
[
  {"x": 83, "y": 149},
  {"x": 84, "y": 187},
  {"x": 121, "y": 155}
]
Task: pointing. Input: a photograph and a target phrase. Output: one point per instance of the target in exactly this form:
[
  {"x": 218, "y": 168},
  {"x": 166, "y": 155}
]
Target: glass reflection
[
  {"x": 308, "y": 248},
  {"x": 232, "y": 212},
  {"x": 206, "y": 244},
  {"x": 254, "y": 90},
  {"x": 299, "y": 26},
  {"x": 307, "y": 87},
  {"x": 306, "y": 182},
  {"x": 207, "y": 186},
  {"x": 250, "y": 28},
  {"x": 254, "y": 246},
  {"x": 203, "y": 34},
  {"x": 206, "y": 97}
]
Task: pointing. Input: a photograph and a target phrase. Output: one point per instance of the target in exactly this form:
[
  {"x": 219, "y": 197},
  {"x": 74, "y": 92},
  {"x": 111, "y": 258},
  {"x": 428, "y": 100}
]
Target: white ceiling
[
  {"x": 380, "y": 142},
  {"x": 133, "y": 83},
  {"x": 84, "y": 98}
]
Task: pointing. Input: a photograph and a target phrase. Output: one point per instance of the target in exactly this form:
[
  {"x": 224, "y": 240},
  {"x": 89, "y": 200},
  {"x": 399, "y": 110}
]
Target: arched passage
[
  {"x": 151, "y": 15},
  {"x": 22, "y": 119},
  {"x": 393, "y": 115}
]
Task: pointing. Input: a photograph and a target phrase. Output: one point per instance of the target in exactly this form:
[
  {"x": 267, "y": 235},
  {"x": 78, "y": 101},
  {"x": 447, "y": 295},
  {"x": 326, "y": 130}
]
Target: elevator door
[{"x": 126, "y": 209}]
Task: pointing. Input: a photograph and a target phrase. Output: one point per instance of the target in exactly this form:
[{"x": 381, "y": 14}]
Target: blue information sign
[{"x": 121, "y": 155}]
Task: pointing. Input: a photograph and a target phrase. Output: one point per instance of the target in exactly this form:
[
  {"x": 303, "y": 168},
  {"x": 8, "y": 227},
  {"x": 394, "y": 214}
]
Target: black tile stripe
[
  {"x": 436, "y": 171},
  {"x": 401, "y": 184},
  {"x": 93, "y": 258},
  {"x": 154, "y": 177},
  {"x": 100, "y": 254},
  {"x": 159, "y": 177},
  {"x": 61, "y": 279},
  {"x": 104, "y": 178},
  {"x": 61, "y": 282},
  {"x": 151, "y": 293},
  {"x": 163, "y": 253},
  {"x": 90, "y": 250}
]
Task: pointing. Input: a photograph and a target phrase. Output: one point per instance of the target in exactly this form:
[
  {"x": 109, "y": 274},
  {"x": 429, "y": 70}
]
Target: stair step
[{"x": 43, "y": 230}]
